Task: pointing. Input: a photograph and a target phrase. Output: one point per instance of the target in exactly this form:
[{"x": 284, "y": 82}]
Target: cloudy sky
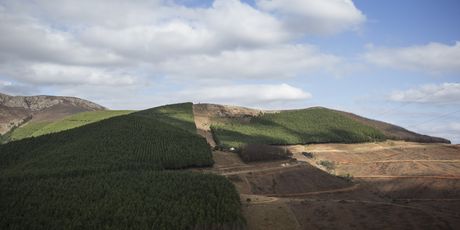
[{"x": 392, "y": 60}]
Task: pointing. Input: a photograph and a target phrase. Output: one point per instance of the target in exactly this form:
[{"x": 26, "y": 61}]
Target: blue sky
[{"x": 397, "y": 61}]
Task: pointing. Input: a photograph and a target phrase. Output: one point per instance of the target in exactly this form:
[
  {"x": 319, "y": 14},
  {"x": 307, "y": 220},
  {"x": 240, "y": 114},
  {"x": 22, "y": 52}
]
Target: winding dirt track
[
  {"x": 411, "y": 177},
  {"x": 348, "y": 189},
  {"x": 291, "y": 165},
  {"x": 397, "y": 161}
]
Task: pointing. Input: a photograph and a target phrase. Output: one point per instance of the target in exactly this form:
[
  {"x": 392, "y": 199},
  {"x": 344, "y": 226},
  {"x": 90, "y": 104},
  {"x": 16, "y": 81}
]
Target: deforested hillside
[{"x": 111, "y": 174}]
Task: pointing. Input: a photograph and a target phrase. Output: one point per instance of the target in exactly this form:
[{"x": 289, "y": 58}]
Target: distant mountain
[{"x": 17, "y": 110}]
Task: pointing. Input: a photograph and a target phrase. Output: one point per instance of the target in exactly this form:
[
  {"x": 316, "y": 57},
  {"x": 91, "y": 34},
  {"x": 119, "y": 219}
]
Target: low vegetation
[
  {"x": 328, "y": 165},
  {"x": 315, "y": 125},
  {"x": 261, "y": 152},
  {"x": 33, "y": 129},
  {"x": 110, "y": 175}
]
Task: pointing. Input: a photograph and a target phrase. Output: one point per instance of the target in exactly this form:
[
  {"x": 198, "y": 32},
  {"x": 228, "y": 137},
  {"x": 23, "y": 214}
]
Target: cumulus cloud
[
  {"x": 108, "y": 44},
  {"x": 25, "y": 38},
  {"x": 56, "y": 74},
  {"x": 315, "y": 16},
  {"x": 275, "y": 62},
  {"x": 151, "y": 30},
  {"x": 435, "y": 58},
  {"x": 446, "y": 93},
  {"x": 246, "y": 94}
]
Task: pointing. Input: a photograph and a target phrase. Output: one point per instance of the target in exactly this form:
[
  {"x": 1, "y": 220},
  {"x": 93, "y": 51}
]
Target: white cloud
[
  {"x": 446, "y": 93},
  {"x": 316, "y": 16},
  {"x": 25, "y": 38},
  {"x": 77, "y": 47},
  {"x": 56, "y": 74},
  {"x": 276, "y": 63},
  {"x": 246, "y": 94},
  {"x": 228, "y": 24},
  {"x": 435, "y": 58}
]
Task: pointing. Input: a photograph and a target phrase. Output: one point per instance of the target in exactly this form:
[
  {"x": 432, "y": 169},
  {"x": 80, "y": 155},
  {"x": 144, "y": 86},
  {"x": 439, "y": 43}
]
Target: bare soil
[{"x": 392, "y": 185}]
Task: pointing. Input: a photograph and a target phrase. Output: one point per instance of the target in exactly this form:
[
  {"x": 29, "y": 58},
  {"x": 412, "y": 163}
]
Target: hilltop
[
  {"x": 123, "y": 172},
  {"x": 17, "y": 110},
  {"x": 229, "y": 126},
  {"x": 232, "y": 126}
]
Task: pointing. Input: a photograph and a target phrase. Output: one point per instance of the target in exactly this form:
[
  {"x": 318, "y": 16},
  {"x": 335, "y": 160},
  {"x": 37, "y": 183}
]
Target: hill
[
  {"x": 394, "y": 132},
  {"x": 111, "y": 174},
  {"x": 315, "y": 125},
  {"x": 234, "y": 126},
  {"x": 33, "y": 129},
  {"x": 17, "y": 110}
]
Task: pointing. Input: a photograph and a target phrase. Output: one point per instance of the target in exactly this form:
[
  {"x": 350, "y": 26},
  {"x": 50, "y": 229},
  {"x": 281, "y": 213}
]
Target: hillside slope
[
  {"x": 314, "y": 125},
  {"x": 17, "y": 110},
  {"x": 235, "y": 126},
  {"x": 394, "y": 132},
  {"x": 38, "y": 128},
  {"x": 110, "y": 175}
]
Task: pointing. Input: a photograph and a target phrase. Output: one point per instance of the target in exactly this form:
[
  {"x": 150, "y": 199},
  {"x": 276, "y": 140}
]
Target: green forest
[
  {"x": 118, "y": 173},
  {"x": 314, "y": 125}
]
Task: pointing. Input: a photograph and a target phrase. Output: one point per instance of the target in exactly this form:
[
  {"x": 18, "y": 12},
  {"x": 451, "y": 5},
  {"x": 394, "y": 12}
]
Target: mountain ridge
[{"x": 17, "y": 110}]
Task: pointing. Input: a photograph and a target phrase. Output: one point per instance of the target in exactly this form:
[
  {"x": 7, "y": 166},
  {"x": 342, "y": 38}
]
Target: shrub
[
  {"x": 328, "y": 165},
  {"x": 261, "y": 152},
  {"x": 307, "y": 154}
]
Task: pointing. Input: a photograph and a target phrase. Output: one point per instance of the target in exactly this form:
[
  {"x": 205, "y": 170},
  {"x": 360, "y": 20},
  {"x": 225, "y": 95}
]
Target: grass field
[
  {"x": 33, "y": 129},
  {"x": 314, "y": 125},
  {"x": 110, "y": 175}
]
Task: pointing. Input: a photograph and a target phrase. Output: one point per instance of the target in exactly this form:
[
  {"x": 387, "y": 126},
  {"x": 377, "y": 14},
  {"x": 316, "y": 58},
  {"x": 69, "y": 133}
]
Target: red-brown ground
[{"x": 391, "y": 185}]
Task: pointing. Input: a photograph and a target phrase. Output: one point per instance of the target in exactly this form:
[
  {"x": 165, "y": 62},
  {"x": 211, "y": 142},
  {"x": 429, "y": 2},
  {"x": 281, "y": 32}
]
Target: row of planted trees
[{"x": 110, "y": 175}]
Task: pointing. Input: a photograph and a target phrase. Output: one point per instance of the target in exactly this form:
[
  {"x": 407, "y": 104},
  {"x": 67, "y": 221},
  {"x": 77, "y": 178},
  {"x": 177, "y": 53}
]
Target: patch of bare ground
[
  {"x": 275, "y": 215},
  {"x": 390, "y": 185},
  {"x": 301, "y": 179},
  {"x": 397, "y": 185},
  {"x": 415, "y": 186},
  {"x": 358, "y": 214}
]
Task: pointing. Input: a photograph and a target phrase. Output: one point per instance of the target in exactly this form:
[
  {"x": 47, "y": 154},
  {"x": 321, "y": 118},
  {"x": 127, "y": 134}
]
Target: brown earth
[
  {"x": 206, "y": 114},
  {"x": 396, "y": 185}
]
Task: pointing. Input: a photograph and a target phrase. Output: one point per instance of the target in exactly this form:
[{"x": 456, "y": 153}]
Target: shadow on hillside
[{"x": 334, "y": 135}]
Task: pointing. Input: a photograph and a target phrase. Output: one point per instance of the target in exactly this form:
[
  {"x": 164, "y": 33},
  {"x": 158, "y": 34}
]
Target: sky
[{"x": 396, "y": 61}]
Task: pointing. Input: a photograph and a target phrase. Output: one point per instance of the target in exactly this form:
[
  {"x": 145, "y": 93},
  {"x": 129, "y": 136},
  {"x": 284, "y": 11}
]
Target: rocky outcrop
[
  {"x": 17, "y": 110},
  {"x": 37, "y": 103}
]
